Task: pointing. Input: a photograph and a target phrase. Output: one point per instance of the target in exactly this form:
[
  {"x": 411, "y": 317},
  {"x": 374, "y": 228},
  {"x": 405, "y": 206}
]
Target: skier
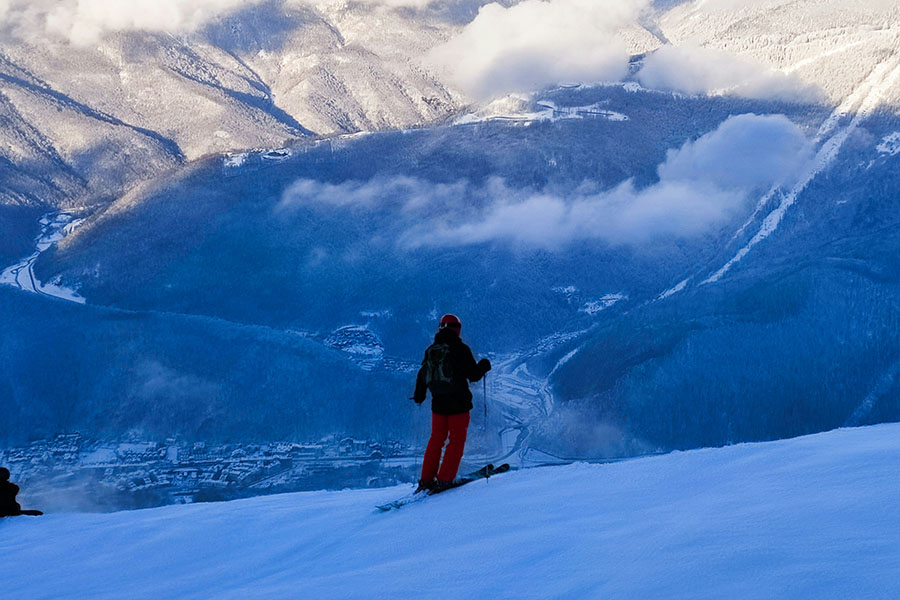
[
  {"x": 8, "y": 490},
  {"x": 447, "y": 369}
]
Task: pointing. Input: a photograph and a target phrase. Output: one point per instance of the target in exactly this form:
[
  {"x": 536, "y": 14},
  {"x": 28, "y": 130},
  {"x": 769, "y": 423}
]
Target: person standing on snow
[
  {"x": 8, "y": 491},
  {"x": 446, "y": 371}
]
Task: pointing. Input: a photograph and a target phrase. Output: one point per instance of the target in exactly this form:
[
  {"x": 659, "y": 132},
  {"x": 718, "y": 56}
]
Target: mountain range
[{"x": 692, "y": 244}]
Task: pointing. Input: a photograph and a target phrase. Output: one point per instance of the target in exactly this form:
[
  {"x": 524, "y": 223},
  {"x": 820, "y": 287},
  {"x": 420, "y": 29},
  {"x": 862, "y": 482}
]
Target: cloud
[
  {"x": 394, "y": 3},
  {"x": 692, "y": 69},
  {"x": 623, "y": 216},
  {"x": 701, "y": 186},
  {"x": 162, "y": 384},
  {"x": 745, "y": 152},
  {"x": 537, "y": 43},
  {"x": 85, "y": 22},
  {"x": 404, "y": 193}
]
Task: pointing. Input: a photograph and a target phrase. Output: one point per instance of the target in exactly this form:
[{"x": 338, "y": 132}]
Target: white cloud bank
[
  {"x": 85, "y": 22},
  {"x": 537, "y": 43},
  {"x": 701, "y": 186},
  {"x": 388, "y": 3},
  {"x": 692, "y": 69},
  {"x": 521, "y": 48},
  {"x": 405, "y": 194}
]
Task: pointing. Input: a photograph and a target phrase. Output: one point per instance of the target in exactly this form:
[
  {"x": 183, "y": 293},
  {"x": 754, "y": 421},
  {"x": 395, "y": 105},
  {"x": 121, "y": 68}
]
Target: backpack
[{"x": 438, "y": 369}]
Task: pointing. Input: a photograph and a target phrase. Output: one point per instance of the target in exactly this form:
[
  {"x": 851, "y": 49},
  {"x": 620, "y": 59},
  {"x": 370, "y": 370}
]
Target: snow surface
[
  {"x": 814, "y": 517},
  {"x": 674, "y": 290},
  {"x": 592, "y": 307},
  {"x": 234, "y": 160},
  {"x": 519, "y": 108},
  {"x": 890, "y": 144}
]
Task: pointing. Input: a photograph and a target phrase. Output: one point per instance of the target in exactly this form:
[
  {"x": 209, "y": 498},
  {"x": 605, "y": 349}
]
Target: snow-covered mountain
[
  {"x": 687, "y": 240},
  {"x": 121, "y": 107},
  {"x": 810, "y": 517}
]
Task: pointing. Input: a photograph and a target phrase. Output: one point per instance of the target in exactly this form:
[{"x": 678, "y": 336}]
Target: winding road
[{"x": 54, "y": 227}]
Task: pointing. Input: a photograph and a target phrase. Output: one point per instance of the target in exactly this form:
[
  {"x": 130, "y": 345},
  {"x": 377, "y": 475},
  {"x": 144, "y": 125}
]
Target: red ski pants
[{"x": 442, "y": 426}]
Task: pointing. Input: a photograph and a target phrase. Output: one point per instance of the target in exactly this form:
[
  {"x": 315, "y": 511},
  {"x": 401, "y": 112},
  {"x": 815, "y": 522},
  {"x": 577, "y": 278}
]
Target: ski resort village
[
  {"x": 67, "y": 469},
  {"x": 449, "y": 299}
]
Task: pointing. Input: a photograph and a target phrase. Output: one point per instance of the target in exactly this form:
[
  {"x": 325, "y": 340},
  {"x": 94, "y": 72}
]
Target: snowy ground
[
  {"x": 523, "y": 108},
  {"x": 815, "y": 517}
]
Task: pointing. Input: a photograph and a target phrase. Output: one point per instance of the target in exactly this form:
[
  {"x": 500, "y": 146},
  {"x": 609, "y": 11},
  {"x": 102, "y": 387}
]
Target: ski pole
[
  {"x": 417, "y": 423},
  {"x": 484, "y": 381}
]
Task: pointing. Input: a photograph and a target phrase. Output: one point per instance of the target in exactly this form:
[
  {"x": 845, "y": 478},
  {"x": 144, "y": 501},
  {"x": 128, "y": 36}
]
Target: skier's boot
[
  {"x": 440, "y": 486},
  {"x": 425, "y": 486}
]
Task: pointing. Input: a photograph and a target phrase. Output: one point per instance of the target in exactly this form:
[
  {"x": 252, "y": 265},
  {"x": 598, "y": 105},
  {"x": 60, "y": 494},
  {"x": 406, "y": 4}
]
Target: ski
[
  {"x": 484, "y": 472},
  {"x": 401, "y": 502}
]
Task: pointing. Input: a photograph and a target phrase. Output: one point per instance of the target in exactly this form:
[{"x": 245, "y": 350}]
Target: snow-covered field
[{"x": 814, "y": 517}]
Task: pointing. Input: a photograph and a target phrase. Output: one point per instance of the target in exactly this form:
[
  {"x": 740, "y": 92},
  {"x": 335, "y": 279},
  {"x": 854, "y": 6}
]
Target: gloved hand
[
  {"x": 417, "y": 400},
  {"x": 484, "y": 364}
]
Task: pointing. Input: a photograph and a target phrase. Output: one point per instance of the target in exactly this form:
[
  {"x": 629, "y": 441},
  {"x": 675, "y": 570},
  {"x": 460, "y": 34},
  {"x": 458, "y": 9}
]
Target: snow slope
[{"x": 813, "y": 517}]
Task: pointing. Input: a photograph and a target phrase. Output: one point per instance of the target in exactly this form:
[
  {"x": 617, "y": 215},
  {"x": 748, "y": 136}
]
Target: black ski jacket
[{"x": 465, "y": 369}]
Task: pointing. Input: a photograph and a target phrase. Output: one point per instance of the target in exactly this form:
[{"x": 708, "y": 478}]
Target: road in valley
[{"x": 54, "y": 227}]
